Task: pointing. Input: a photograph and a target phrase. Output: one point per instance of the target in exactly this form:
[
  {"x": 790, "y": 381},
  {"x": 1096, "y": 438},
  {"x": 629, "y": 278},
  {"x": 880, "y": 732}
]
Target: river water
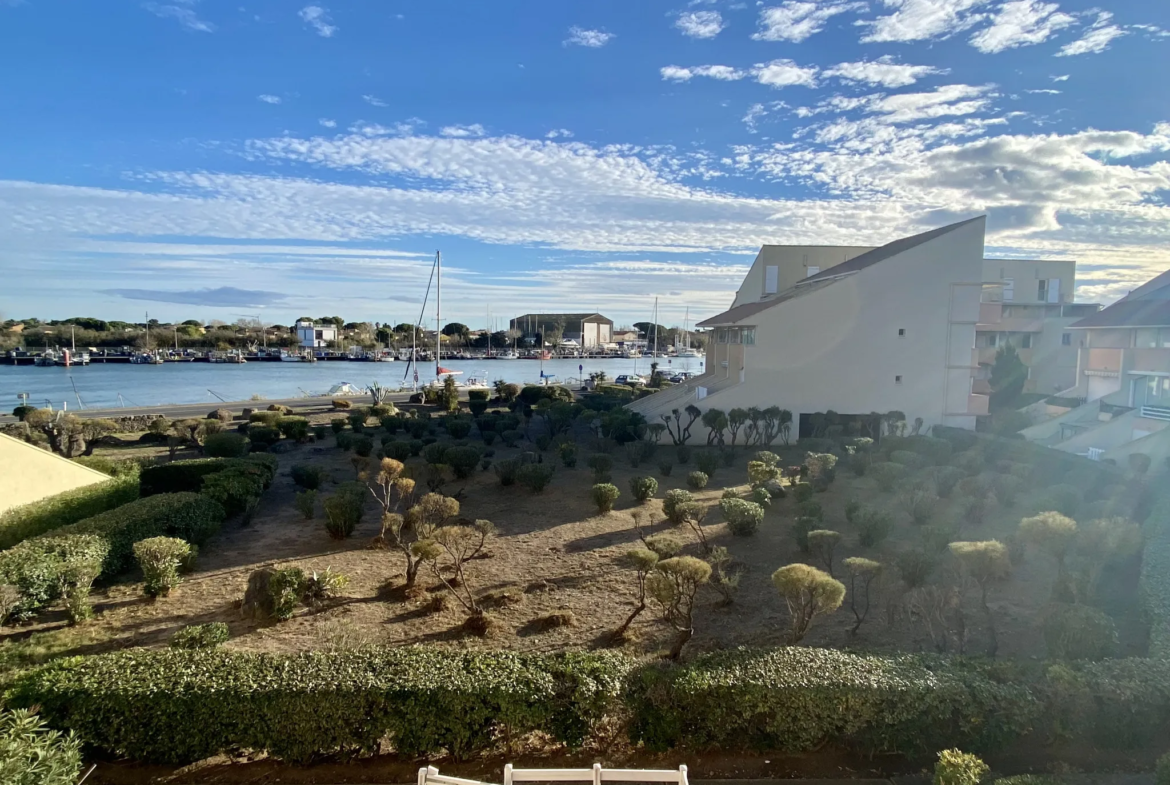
[{"x": 99, "y": 386}]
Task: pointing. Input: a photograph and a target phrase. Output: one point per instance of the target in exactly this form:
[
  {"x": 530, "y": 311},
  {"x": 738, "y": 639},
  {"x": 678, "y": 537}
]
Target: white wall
[
  {"x": 29, "y": 474},
  {"x": 793, "y": 263}
]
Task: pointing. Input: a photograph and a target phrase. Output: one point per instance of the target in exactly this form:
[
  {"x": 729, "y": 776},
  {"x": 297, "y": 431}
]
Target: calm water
[{"x": 149, "y": 385}]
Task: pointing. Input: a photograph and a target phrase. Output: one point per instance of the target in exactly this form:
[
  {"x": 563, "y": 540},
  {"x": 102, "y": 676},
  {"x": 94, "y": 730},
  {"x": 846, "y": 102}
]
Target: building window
[
  {"x": 901, "y": 332},
  {"x": 771, "y": 279},
  {"x": 733, "y": 335},
  {"x": 1042, "y": 290},
  {"x": 898, "y": 379},
  {"x": 1066, "y": 339},
  {"x": 749, "y": 336},
  {"x": 1026, "y": 341},
  {"x": 813, "y": 270},
  {"x": 1158, "y": 390},
  {"x": 721, "y": 335},
  {"x": 1009, "y": 289}
]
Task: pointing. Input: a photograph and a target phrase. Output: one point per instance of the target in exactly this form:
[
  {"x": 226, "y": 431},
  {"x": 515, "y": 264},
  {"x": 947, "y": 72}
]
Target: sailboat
[{"x": 686, "y": 350}]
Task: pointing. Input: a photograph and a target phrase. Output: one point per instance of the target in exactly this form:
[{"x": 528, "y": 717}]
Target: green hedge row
[
  {"x": 1155, "y": 578},
  {"x": 36, "y": 566},
  {"x": 183, "y": 705},
  {"x": 30, "y": 520},
  {"x": 187, "y": 476}
]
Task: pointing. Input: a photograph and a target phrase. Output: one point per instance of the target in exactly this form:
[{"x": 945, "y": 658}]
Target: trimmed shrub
[
  {"x": 338, "y": 424},
  {"x": 178, "y": 476},
  {"x": 674, "y": 505},
  {"x": 269, "y": 418},
  {"x": 802, "y": 492},
  {"x": 535, "y": 476},
  {"x": 886, "y": 474},
  {"x": 915, "y": 567},
  {"x": 911, "y": 460},
  {"x": 568, "y": 453},
  {"x": 873, "y": 527},
  {"x": 955, "y": 767},
  {"x": 344, "y": 509},
  {"x": 462, "y": 460},
  {"x": 295, "y": 428},
  {"x": 397, "y": 450},
  {"x": 160, "y": 559},
  {"x": 306, "y": 504},
  {"x": 427, "y": 700},
  {"x": 457, "y": 426},
  {"x": 1079, "y": 632},
  {"x": 708, "y": 462},
  {"x": 262, "y": 436},
  {"x": 510, "y": 437},
  {"x": 307, "y": 476},
  {"x": 285, "y": 587},
  {"x": 237, "y": 488},
  {"x": 602, "y": 465},
  {"x": 696, "y": 481},
  {"x": 225, "y": 445},
  {"x": 33, "y": 754},
  {"x": 319, "y": 432},
  {"x": 643, "y": 488},
  {"x": 363, "y": 446},
  {"x": 665, "y": 468},
  {"x": 29, "y": 520},
  {"x": 507, "y": 470},
  {"x": 811, "y": 509},
  {"x": 357, "y": 419},
  {"x": 743, "y": 517},
  {"x": 604, "y": 495}
]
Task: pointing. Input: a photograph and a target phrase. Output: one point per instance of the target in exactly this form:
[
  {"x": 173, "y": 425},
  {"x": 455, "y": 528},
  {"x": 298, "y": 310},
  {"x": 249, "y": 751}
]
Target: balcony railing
[{"x": 1104, "y": 360}]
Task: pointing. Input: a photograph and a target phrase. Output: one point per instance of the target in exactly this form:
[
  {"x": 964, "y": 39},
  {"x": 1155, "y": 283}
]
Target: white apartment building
[
  {"x": 878, "y": 330},
  {"x": 315, "y": 336}
]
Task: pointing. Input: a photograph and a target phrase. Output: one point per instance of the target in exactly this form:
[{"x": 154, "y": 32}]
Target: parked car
[
  {"x": 630, "y": 379},
  {"x": 680, "y": 377}
]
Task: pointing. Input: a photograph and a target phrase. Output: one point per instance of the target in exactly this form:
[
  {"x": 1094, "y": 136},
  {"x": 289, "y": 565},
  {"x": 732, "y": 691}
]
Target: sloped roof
[
  {"x": 569, "y": 317},
  {"x": 834, "y": 273},
  {"x": 1146, "y": 306}
]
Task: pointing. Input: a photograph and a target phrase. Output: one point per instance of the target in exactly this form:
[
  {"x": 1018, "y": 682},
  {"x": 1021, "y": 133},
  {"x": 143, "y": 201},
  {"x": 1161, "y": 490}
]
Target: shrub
[
  {"x": 238, "y": 488},
  {"x": 808, "y": 593},
  {"x": 683, "y": 453},
  {"x": 919, "y": 504},
  {"x": 29, "y": 520},
  {"x": 802, "y": 492},
  {"x": 338, "y": 424},
  {"x": 160, "y": 559},
  {"x": 643, "y": 488},
  {"x": 811, "y": 509},
  {"x": 363, "y": 446},
  {"x": 911, "y": 460},
  {"x": 510, "y": 438},
  {"x": 179, "y": 476},
  {"x": 915, "y": 567},
  {"x": 397, "y": 450},
  {"x": 602, "y": 465},
  {"x": 761, "y": 497},
  {"x": 200, "y": 636},
  {"x": 307, "y": 476},
  {"x": 1162, "y": 771},
  {"x": 1079, "y": 632},
  {"x": 1007, "y": 489},
  {"x": 955, "y": 767},
  {"x": 801, "y": 527},
  {"x": 543, "y": 442},
  {"x": 821, "y": 467},
  {"x": 568, "y": 453},
  {"x": 344, "y": 510},
  {"x": 345, "y": 441},
  {"x": 1062, "y": 498},
  {"x": 604, "y": 495},
  {"x": 708, "y": 462},
  {"x": 269, "y": 418},
  {"x": 357, "y": 419},
  {"x": 306, "y": 503},
  {"x": 458, "y": 427},
  {"x": 462, "y": 460},
  {"x": 945, "y": 478},
  {"x": 507, "y": 470},
  {"x": 33, "y": 754},
  {"x": 285, "y": 587},
  {"x": 262, "y": 436},
  {"x": 743, "y": 517},
  {"x": 225, "y": 445},
  {"x": 665, "y": 468},
  {"x": 427, "y": 700},
  {"x": 887, "y": 474},
  {"x": 295, "y": 428},
  {"x": 696, "y": 481},
  {"x": 674, "y": 505},
  {"x": 535, "y": 476}
]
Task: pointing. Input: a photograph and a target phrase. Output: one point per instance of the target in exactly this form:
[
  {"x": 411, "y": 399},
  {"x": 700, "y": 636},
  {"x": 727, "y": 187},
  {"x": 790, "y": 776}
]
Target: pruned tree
[
  {"x": 822, "y": 543},
  {"x": 716, "y": 422},
  {"x": 986, "y": 563},
  {"x": 419, "y": 523},
  {"x": 1097, "y": 544},
  {"x": 724, "y": 579},
  {"x": 679, "y": 434},
  {"x": 809, "y": 593},
  {"x": 777, "y": 422},
  {"x": 643, "y": 561},
  {"x": 673, "y": 585},
  {"x": 862, "y": 573},
  {"x": 754, "y": 433},
  {"x": 448, "y": 549},
  {"x": 1054, "y": 533},
  {"x": 736, "y": 418}
]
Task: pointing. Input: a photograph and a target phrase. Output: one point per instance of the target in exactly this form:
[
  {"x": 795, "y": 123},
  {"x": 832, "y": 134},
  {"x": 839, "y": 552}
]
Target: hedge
[
  {"x": 1155, "y": 577},
  {"x": 30, "y": 520},
  {"x": 187, "y": 476},
  {"x": 178, "y": 706},
  {"x": 189, "y": 516}
]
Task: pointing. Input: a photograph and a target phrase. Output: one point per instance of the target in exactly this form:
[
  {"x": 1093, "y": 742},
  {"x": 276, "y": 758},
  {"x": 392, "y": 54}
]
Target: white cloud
[
  {"x": 462, "y": 131},
  {"x": 373, "y": 100},
  {"x": 796, "y": 20},
  {"x": 752, "y": 116},
  {"x": 559, "y": 133},
  {"x": 182, "y": 11},
  {"x": 580, "y": 36},
  {"x": 318, "y": 18},
  {"x": 948, "y": 100},
  {"x": 784, "y": 73},
  {"x": 1021, "y": 23},
  {"x": 676, "y": 73},
  {"x": 269, "y": 99},
  {"x": 919, "y": 20},
  {"x": 1044, "y": 91},
  {"x": 1062, "y": 78},
  {"x": 325, "y": 121},
  {"x": 1097, "y": 40},
  {"x": 883, "y": 71},
  {"x": 700, "y": 24}
]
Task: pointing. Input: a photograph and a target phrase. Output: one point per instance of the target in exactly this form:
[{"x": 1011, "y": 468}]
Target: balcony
[
  {"x": 981, "y": 386},
  {"x": 985, "y": 355},
  {"x": 977, "y": 404},
  {"x": 1150, "y": 361},
  {"x": 1103, "y": 361},
  {"x": 990, "y": 313}
]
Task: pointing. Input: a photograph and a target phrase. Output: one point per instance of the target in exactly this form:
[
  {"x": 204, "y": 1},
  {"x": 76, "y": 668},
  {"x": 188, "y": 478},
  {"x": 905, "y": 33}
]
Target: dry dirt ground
[{"x": 552, "y": 553}]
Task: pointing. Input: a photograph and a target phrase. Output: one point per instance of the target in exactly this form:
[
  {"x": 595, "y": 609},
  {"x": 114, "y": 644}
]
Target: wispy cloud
[
  {"x": 675, "y": 73},
  {"x": 777, "y": 73},
  {"x": 223, "y": 297},
  {"x": 318, "y": 18},
  {"x": 1021, "y": 23},
  {"x": 325, "y": 121},
  {"x": 183, "y": 11},
  {"x": 796, "y": 20},
  {"x": 373, "y": 100},
  {"x": 1101, "y": 33},
  {"x": 269, "y": 99},
  {"x": 462, "y": 131},
  {"x": 559, "y": 133},
  {"x": 920, "y": 20},
  {"x": 883, "y": 71},
  {"x": 700, "y": 24},
  {"x": 580, "y": 36}
]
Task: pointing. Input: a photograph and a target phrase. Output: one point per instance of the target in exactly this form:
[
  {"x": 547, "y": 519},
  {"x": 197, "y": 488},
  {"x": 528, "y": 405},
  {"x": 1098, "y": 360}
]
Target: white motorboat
[
  {"x": 344, "y": 388},
  {"x": 296, "y": 357},
  {"x": 146, "y": 358}
]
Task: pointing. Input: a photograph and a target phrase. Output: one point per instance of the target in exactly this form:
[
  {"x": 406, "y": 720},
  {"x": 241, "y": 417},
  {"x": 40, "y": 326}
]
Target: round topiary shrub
[
  {"x": 535, "y": 476},
  {"x": 307, "y": 476},
  {"x": 160, "y": 559},
  {"x": 743, "y": 517},
  {"x": 643, "y": 488},
  {"x": 604, "y": 495},
  {"x": 263, "y": 436},
  {"x": 674, "y": 505},
  {"x": 697, "y": 481},
  {"x": 363, "y": 446},
  {"x": 956, "y": 767},
  {"x": 225, "y": 445},
  {"x": 200, "y": 636},
  {"x": 1079, "y": 632}
]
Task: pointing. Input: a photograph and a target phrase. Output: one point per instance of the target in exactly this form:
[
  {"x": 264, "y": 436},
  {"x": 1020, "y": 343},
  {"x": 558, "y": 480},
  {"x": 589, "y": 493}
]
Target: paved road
[{"x": 178, "y": 411}]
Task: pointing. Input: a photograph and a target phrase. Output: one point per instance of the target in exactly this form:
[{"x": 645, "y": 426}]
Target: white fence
[{"x": 597, "y": 775}]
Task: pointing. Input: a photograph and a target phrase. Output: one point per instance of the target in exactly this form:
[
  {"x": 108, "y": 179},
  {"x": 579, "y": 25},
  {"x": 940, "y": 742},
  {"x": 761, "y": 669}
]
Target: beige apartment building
[
  {"x": 1123, "y": 375},
  {"x": 871, "y": 330},
  {"x": 29, "y": 474}
]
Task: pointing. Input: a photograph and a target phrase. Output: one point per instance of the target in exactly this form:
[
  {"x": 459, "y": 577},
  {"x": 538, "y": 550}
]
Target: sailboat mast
[
  {"x": 654, "y": 352},
  {"x": 438, "y": 306}
]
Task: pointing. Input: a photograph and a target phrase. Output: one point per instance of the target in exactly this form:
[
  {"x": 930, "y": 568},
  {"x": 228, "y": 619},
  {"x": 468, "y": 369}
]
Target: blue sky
[{"x": 199, "y": 158}]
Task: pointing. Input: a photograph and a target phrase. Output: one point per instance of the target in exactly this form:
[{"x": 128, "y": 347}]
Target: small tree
[
  {"x": 421, "y": 520},
  {"x": 604, "y": 495},
  {"x": 809, "y": 593},
  {"x": 986, "y": 563},
  {"x": 673, "y": 505},
  {"x": 643, "y": 561},
  {"x": 823, "y": 543},
  {"x": 1054, "y": 533},
  {"x": 449, "y": 548},
  {"x": 643, "y": 488},
  {"x": 160, "y": 559},
  {"x": 724, "y": 580},
  {"x": 736, "y": 419},
  {"x": 679, "y": 433},
  {"x": 862, "y": 573},
  {"x": 1008, "y": 375},
  {"x": 821, "y": 466},
  {"x": 919, "y": 504},
  {"x": 673, "y": 584},
  {"x": 697, "y": 481},
  {"x": 716, "y": 422}
]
